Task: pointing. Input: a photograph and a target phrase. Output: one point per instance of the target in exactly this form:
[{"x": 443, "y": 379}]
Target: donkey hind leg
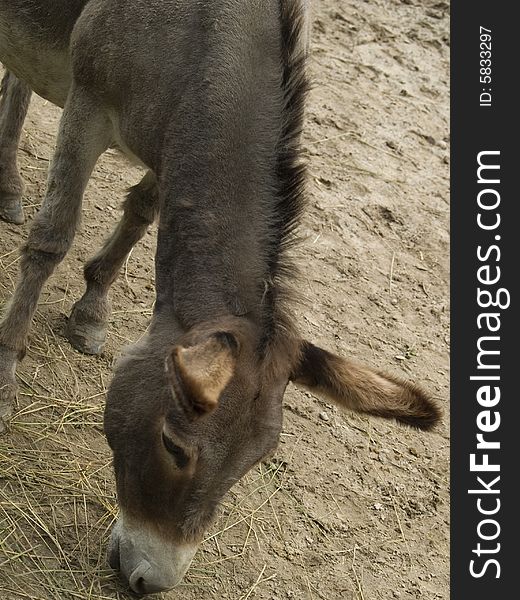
[
  {"x": 15, "y": 96},
  {"x": 84, "y": 134},
  {"x": 88, "y": 321}
]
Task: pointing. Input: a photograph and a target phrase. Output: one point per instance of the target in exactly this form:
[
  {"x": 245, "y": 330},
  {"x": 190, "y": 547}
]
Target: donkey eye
[{"x": 180, "y": 456}]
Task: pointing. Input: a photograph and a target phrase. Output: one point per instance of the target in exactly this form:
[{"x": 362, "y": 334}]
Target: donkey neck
[
  {"x": 225, "y": 171},
  {"x": 213, "y": 247}
]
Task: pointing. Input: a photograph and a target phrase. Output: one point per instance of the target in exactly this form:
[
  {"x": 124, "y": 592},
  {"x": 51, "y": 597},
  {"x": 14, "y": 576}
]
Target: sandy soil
[{"x": 348, "y": 507}]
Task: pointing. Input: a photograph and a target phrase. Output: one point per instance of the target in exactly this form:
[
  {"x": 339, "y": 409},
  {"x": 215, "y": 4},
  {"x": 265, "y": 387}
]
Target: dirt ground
[{"x": 348, "y": 507}]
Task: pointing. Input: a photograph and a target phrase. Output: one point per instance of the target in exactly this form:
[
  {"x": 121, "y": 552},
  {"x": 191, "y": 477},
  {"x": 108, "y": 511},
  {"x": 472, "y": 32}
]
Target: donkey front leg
[
  {"x": 88, "y": 321},
  {"x": 15, "y": 96},
  {"x": 84, "y": 134}
]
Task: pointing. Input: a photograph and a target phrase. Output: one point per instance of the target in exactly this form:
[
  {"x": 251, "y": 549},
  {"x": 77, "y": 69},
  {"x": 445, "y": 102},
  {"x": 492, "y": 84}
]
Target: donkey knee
[
  {"x": 42, "y": 252},
  {"x": 51, "y": 237}
]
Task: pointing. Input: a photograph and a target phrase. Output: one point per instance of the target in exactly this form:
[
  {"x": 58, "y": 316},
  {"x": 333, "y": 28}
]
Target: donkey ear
[
  {"x": 198, "y": 374},
  {"x": 362, "y": 389}
]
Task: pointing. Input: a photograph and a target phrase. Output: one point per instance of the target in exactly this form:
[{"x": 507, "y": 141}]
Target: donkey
[{"x": 209, "y": 97}]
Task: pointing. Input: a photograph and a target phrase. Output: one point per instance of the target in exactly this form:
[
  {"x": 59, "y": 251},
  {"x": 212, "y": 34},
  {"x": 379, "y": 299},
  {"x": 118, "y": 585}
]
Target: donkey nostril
[
  {"x": 137, "y": 581},
  {"x": 139, "y": 586},
  {"x": 142, "y": 580}
]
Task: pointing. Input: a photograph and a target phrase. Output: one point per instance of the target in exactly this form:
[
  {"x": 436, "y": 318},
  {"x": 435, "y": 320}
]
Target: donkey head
[{"x": 186, "y": 420}]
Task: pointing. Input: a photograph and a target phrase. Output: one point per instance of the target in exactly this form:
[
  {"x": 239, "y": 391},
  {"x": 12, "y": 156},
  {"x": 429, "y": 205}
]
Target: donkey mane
[{"x": 290, "y": 170}]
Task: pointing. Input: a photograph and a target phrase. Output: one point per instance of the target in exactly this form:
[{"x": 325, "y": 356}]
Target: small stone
[
  {"x": 413, "y": 451},
  {"x": 324, "y": 416},
  {"x": 378, "y": 506},
  {"x": 383, "y": 456}
]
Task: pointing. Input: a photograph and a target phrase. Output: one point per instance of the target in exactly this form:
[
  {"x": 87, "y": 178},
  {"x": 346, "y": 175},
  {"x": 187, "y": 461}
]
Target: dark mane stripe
[{"x": 290, "y": 170}]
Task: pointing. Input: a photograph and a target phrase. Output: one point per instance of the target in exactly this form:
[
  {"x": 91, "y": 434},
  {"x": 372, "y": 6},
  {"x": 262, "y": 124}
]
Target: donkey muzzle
[{"x": 147, "y": 563}]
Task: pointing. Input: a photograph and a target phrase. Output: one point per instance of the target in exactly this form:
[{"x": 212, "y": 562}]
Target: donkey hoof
[
  {"x": 84, "y": 334},
  {"x": 11, "y": 210}
]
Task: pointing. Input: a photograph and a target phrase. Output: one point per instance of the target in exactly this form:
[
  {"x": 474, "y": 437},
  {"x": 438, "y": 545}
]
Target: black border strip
[{"x": 476, "y": 129}]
